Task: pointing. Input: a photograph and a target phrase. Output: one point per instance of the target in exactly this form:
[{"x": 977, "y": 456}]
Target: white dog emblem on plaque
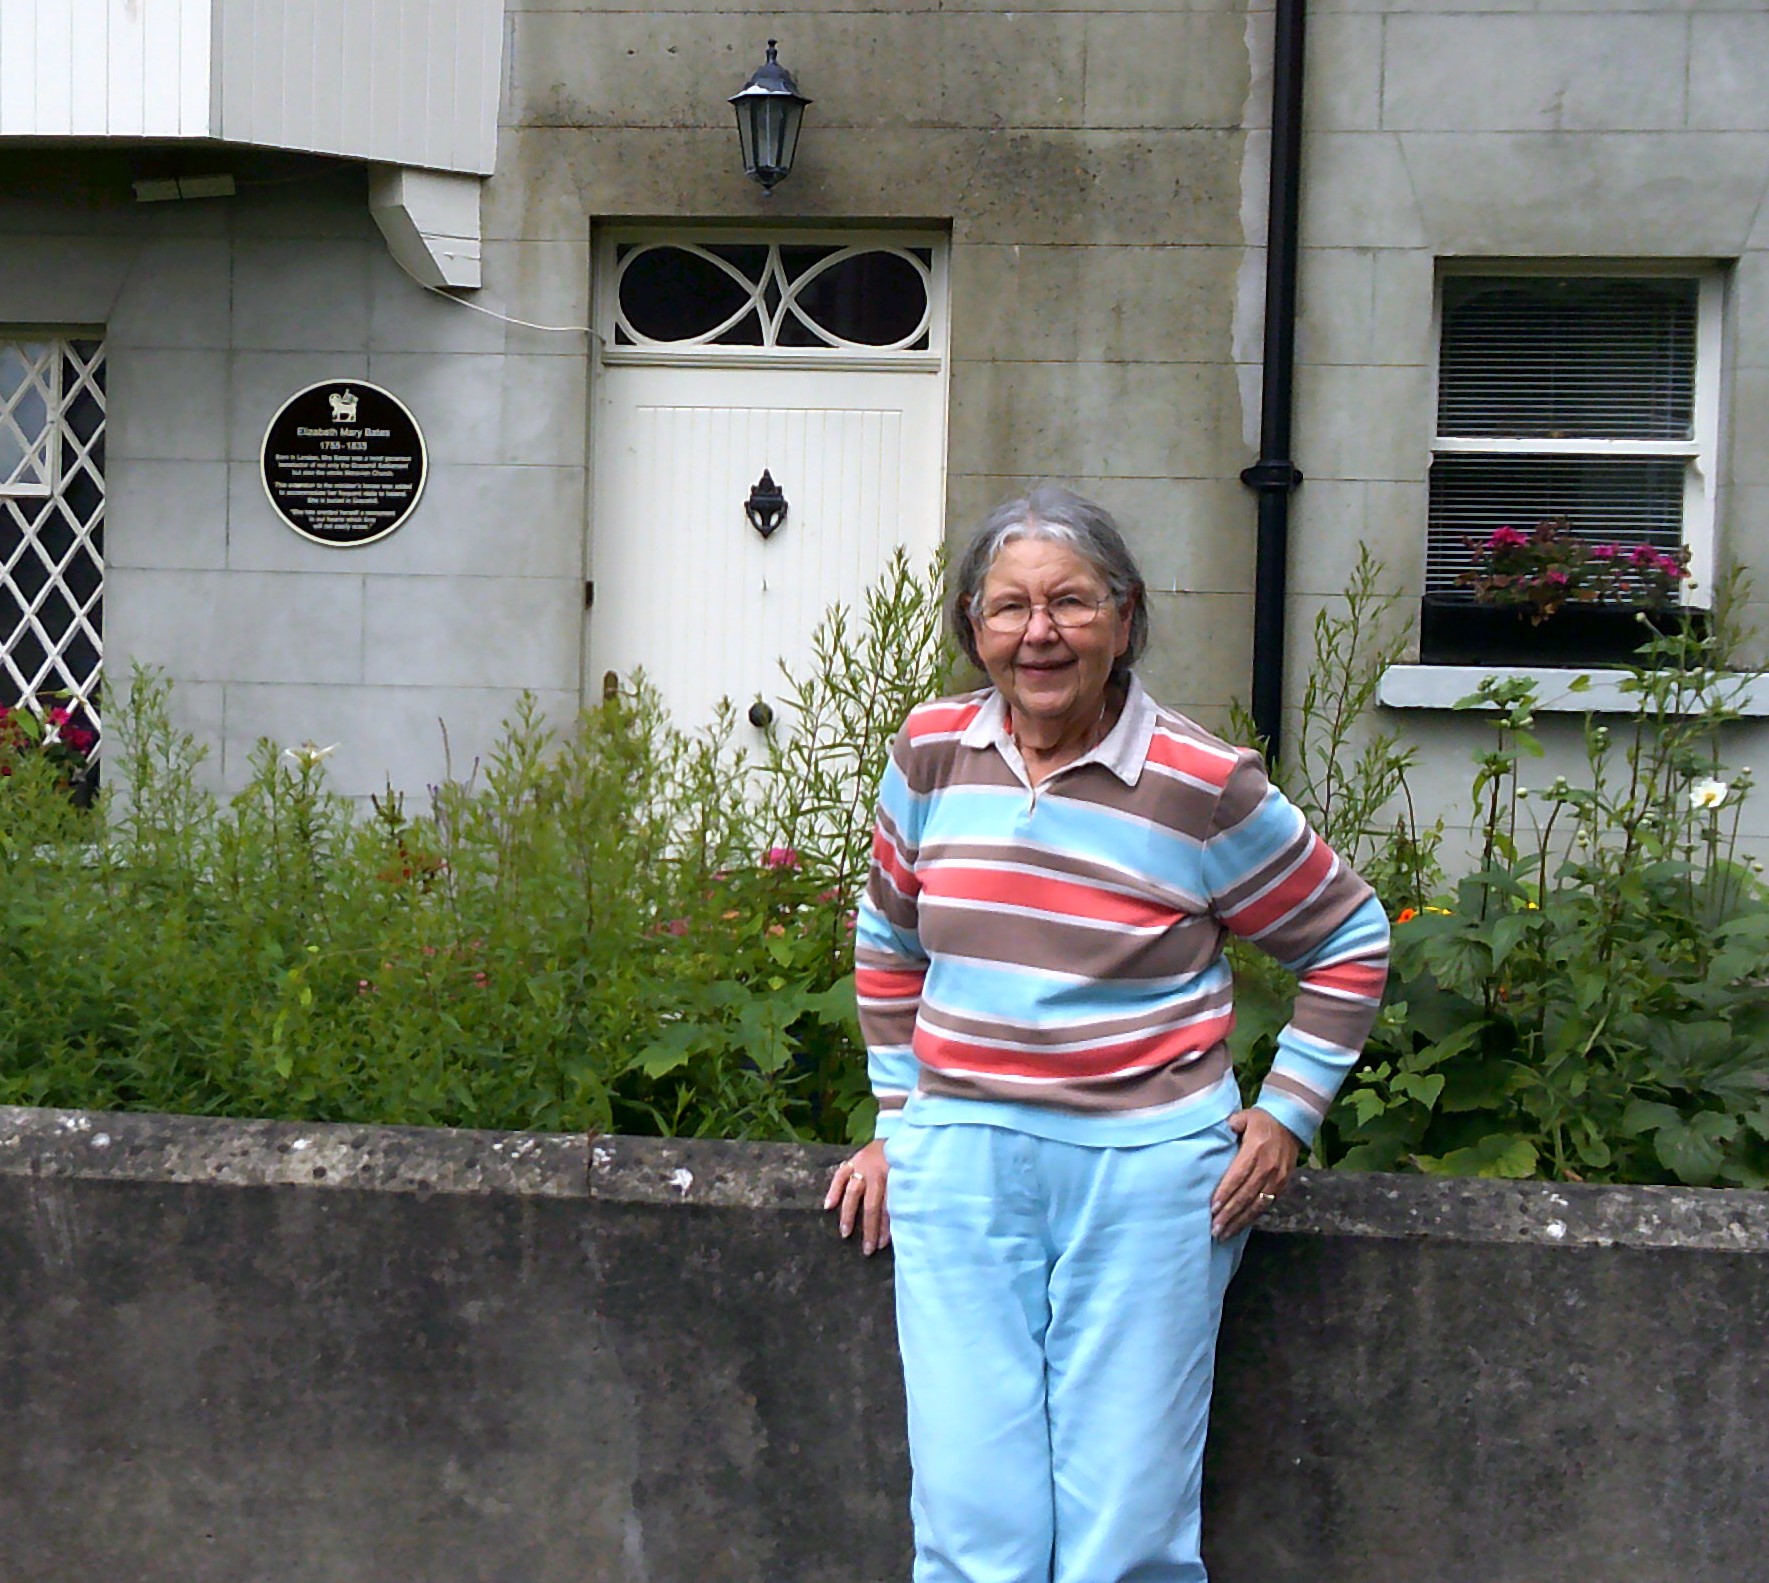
[{"x": 343, "y": 406}]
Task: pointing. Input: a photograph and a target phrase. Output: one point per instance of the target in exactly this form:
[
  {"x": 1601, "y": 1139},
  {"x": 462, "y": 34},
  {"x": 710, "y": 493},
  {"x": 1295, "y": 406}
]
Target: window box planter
[{"x": 1454, "y": 630}]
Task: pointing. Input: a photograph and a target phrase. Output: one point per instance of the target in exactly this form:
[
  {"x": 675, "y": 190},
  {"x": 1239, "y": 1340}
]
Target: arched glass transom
[{"x": 869, "y": 297}]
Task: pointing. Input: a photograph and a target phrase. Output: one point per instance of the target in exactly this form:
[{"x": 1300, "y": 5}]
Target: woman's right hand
[{"x": 858, "y": 1190}]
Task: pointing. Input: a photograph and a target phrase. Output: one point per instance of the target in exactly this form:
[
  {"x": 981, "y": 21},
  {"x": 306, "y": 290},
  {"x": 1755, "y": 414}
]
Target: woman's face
[{"x": 1046, "y": 672}]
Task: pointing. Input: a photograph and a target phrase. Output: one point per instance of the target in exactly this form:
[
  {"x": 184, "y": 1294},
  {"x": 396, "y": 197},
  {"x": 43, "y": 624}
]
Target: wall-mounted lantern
[{"x": 770, "y": 111}]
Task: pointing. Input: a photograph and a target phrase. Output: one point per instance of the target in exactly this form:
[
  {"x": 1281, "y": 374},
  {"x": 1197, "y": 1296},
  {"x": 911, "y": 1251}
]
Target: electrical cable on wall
[{"x": 492, "y": 313}]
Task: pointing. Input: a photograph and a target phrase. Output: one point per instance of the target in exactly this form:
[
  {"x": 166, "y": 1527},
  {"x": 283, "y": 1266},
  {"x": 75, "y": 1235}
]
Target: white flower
[
  {"x": 309, "y": 755},
  {"x": 1707, "y": 793}
]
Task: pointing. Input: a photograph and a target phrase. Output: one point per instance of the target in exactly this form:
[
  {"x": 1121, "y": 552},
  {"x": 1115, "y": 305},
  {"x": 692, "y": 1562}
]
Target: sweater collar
[{"x": 1123, "y": 750}]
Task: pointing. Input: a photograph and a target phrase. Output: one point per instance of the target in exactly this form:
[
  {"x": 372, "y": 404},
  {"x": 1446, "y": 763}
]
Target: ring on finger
[
  {"x": 1268, "y": 1198},
  {"x": 856, "y": 1178}
]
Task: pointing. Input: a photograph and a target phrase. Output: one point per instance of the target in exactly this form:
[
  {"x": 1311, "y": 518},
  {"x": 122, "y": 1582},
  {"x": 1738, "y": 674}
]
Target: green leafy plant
[
  {"x": 1349, "y": 777},
  {"x": 610, "y": 925},
  {"x": 1591, "y": 1000},
  {"x": 1591, "y": 1003},
  {"x": 825, "y": 765}
]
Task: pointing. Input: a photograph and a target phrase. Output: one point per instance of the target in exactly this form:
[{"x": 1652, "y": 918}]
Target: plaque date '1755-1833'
[{"x": 344, "y": 462}]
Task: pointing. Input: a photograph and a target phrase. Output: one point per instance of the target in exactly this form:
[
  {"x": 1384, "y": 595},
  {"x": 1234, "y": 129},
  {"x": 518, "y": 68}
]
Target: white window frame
[
  {"x": 53, "y": 674},
  {"x": 1700, "y": 453},
  {"x": 48, "y": 471},
  {"x": 930, "y": 361}
]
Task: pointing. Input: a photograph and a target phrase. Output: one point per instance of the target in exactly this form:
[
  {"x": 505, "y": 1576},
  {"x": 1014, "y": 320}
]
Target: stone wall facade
[{"x": 1100, "y": 171}]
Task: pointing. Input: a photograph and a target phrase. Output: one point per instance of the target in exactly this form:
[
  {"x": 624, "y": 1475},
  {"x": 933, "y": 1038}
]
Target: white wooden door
[{"x": 684, "y": 586}]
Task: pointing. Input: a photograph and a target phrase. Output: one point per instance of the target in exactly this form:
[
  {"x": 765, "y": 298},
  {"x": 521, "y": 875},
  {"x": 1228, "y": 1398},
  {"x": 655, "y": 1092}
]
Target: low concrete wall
[{"x": 261, "y": 1351}]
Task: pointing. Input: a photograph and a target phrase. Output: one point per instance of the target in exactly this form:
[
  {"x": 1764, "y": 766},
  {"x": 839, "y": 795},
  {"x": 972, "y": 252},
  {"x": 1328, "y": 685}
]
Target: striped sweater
[{"x": 1050, "y": 959}]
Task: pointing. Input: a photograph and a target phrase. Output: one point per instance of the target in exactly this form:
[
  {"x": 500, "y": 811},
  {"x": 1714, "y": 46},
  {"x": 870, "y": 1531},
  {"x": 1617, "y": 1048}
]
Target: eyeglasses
[{"x": 1066, "y": 611}]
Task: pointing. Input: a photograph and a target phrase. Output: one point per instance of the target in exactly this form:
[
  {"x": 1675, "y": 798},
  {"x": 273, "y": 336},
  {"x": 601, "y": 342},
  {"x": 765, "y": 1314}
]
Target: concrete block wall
[
  {"x": 1597, "y": 129},
  {"x": 287, "y": 1351},
  {"x": 215, "y": 313}
]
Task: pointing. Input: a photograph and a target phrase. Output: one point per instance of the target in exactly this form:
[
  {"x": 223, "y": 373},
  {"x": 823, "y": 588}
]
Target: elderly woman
[{"x": 1068, "y": 1168}]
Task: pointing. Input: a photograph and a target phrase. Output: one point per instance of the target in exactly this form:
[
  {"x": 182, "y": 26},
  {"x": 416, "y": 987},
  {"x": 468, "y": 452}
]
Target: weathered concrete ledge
[
  {"x": 734, "y": 1175},
  {"x": 288, "y": 1351}
]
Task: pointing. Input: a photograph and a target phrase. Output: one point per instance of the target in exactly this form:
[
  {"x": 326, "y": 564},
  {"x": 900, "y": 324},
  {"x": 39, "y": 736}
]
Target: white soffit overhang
[{"x": 406, "y": 84}]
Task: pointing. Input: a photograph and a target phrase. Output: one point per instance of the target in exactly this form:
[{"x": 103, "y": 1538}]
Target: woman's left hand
[{"x": 1258, "y": 1175}]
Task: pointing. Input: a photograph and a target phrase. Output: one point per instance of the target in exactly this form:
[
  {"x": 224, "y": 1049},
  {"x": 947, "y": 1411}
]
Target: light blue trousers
[{"x": 1057, "y": 1308}]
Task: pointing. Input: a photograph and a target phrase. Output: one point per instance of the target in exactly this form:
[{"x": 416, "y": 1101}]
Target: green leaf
[
  {"x": 1505, "y": 933},
  {"x": 1592, "y": 1151},
  {"x": 1649, "y": 1115},
  {"x": 1687, "y": 1154},
  {"x": 1367, "y": 1103},
  {"x": 763, "y": 1024},
  {"x": 669, "y": 1050},
  {"x": 1476, "y": 1086},
  {"x": 1498, "y": 1155},
  {"x": 863, "y": 1120},
  {"x": 1421, "y": 1086}
]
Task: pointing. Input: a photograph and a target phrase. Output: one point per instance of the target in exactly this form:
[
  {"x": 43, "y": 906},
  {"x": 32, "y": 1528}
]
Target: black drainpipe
[{"x": 1274, "y": 475}]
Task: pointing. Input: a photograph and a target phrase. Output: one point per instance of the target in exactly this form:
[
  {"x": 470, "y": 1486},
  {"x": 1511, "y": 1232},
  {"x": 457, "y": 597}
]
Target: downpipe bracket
[{"x": 1272, "y": 475}]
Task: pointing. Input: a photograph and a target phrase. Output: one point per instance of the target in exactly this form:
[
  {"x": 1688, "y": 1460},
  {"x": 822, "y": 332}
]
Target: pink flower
[
  {"x": 780, "y": 857},
  {"x": 677, "y": 926},
  {"x": 1507, "y": 538},
  {"x": 1556, "y": 576},
  {"x": 480, "y": 980},
  {"x": 58, "y": 716},
  {"x": 364, "y": 987},
  {"x": 1605, "y": 552},
  {"x": 1643, "y": 555}
]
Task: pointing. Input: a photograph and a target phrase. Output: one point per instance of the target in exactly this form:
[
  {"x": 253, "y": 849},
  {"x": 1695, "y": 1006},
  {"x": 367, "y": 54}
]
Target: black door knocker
[{"x": 766, "y": 506}]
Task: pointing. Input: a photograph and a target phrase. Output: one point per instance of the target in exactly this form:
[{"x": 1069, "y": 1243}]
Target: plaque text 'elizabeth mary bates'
[{"x": 344, "y": 463}]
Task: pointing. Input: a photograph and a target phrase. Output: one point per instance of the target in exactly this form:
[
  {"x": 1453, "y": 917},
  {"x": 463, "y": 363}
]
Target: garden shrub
[
  {"x": 1592, "y": 1001},
  {"x": 625, "y": 926},
  {"x": 619, "y": 926}
]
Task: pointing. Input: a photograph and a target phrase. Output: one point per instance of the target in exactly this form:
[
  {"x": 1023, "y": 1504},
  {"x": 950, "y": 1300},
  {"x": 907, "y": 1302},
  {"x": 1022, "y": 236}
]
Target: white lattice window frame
[
  {"x": 73, "y": 459},
  {"x": 706, "y": 350},
  {"x": 1699, "y": 454},
  {"x": 33, "y": 478}
]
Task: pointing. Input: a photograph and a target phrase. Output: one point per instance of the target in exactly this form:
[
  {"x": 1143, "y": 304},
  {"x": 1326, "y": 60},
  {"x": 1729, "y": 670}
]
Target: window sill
[{"x": 1440, "y": 686}]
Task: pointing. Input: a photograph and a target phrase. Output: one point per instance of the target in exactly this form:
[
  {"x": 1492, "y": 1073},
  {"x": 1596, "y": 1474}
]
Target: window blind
[
  {"x": 1628, "y": 500},
  {"x": 1567, "y": 357}
]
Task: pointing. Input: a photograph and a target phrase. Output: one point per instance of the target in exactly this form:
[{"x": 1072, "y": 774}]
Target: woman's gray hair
[{"x": 1052, "y": 512}]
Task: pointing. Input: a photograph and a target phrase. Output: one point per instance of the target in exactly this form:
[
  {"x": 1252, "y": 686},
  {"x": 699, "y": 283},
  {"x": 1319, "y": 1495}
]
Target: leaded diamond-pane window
[{"x": 51, "y": 518}]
